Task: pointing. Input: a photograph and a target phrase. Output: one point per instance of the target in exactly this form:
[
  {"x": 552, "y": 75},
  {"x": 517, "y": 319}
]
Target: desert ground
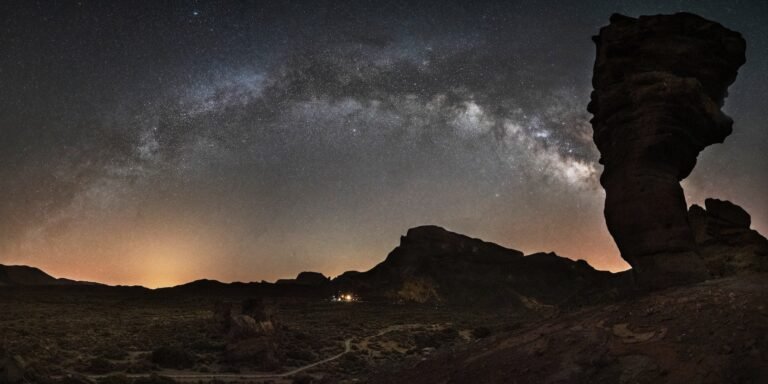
[{"x": 120, "y": 335}]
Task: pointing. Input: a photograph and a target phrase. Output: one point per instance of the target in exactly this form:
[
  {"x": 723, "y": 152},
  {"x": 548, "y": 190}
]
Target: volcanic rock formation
[
  {"x": 725, "y": 242},
  {"x": 247, "y": 319},
  {"x": 659, "y": 83},
  {"x": 434, "y": 265},
  {"x": 252, "y": 332}
]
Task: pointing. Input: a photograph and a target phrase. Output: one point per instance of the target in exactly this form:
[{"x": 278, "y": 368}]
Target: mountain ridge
[
  {"x": 24, "y": 275},
  {"x": 430, "y": 265}
]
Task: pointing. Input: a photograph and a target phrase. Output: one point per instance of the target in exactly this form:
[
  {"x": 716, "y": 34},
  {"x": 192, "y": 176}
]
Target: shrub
[
  {"x": 449, "y": 334},
  {"x": 301, "y": 355},
  {"x": 205, "y": 345},
  {"x": 115, "y": 379},
  {"x": 173, "y": 357},
  {"x": 100, "y": 365},
  {"x": 154, "y": 379},
  {"x": 111, "y": 352},
  {"x": 481, "y": 332},
  {"x": 435, "y": 339},
  {"x": 303, "y": 379}
]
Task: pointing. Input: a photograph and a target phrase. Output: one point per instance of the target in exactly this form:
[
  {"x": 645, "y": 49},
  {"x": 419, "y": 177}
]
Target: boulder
[
  {"x": 258, "y": 309},
  {"x": 261, "y": 352},
  {"x": 250, "y": 318},
  {"x": 659, "y": 83},
  {"x": 170, "y": 357},
  {"x": 251, "y": 332},
  {"x": 724, "y": 240},
  {"x": 728, "y": 213}
]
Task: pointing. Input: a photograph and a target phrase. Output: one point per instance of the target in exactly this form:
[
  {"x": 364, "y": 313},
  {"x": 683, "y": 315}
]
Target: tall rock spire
[{"x": 659, "y": 83}]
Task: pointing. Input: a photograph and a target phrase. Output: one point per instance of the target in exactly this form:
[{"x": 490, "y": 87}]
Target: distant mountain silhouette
[
  {"x": 22, "y": 275},
  {"x": 306, "y": 278},
  {"x": 432, "y": 264}
]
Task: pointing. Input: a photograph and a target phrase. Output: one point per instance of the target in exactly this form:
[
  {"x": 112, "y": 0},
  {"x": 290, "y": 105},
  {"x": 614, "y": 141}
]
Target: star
[{"x": 237, "y": 138}]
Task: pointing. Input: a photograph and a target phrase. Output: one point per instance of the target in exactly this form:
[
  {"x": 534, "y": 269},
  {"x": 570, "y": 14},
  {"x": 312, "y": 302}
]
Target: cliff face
[
  {"x": 659, "y": 83},
  {"x": 432, "y": 264}
]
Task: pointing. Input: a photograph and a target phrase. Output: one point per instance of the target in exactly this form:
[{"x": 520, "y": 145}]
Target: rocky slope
[
  {"x": 711, "y": 332},
  {"x": 434, "y": 265},
  {"x": 431, "y": 265},
  {"x": 22, "y": 275}
]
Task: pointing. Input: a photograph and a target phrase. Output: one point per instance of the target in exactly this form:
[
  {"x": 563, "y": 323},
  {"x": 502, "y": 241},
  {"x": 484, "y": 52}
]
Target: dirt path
[
  {"x": 364, "y": 343},
  {"x": 194, "y": 377},
  {"x": 250, "y": 376}
]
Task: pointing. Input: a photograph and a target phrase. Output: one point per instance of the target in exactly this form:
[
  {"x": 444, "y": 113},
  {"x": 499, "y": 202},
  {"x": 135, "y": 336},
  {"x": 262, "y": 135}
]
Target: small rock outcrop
[
  {"x": 306, "y": 278},
  {"x": 725, "y": 242},
  {"x": 251, "y": 318},
  {"x": 659, "y": 83},
  {"x": 252, "y": 332}
]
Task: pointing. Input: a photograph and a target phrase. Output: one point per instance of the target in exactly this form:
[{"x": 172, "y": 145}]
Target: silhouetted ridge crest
[
  {"x": 432, "y": 264},
  {"x": 22, "y": 275}
]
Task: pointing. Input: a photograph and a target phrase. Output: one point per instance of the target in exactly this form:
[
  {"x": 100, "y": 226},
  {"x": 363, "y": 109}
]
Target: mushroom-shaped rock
[{"x": 659, "y": 83}]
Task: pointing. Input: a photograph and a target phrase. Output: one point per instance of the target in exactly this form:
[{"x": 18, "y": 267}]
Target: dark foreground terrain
[
  {"x": 118, "y": 335},
  {"x": 441, "y": 308},
  {"x": 712, "y": 332}
]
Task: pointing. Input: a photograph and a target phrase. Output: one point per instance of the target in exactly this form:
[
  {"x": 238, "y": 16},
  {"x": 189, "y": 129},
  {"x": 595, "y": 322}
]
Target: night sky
[{"x": 159, "y": 142}]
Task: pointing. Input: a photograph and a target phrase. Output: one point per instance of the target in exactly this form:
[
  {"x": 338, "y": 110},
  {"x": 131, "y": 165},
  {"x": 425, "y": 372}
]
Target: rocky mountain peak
[
  {"x": 434, "y": 240},
  {"x": 434, "y": 264}
]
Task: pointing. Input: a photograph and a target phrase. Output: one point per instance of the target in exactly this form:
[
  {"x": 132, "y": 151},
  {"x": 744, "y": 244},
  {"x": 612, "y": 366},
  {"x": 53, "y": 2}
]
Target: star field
[{"x": 156, "y": 143}]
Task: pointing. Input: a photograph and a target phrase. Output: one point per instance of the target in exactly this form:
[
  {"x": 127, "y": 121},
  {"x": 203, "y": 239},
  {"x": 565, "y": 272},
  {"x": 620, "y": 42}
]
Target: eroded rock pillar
[{"x": 659, "y": 83}]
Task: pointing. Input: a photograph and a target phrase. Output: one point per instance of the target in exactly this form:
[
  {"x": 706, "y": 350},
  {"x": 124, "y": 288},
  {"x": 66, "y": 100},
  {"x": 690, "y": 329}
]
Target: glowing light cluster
[{"x": 345, "y": 298}]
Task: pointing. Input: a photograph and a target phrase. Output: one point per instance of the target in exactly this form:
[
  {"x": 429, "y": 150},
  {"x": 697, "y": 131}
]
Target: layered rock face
[
  {"x": 725, "y": 242},
  {"x": 659, "y": 83},
  {"x": 434, "y": 265}
]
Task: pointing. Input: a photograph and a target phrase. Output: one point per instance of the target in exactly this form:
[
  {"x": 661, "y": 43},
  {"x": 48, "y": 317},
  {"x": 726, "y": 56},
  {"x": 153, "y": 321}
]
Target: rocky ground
[
  {"x": 441, "y": 308},
  {"x": 712, "y": 332},
  {"x": 54, "y": 335}
]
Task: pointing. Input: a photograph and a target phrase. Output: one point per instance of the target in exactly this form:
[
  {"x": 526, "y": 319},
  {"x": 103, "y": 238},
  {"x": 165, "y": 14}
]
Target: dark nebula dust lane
[{"x": 153, "y": 144}]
